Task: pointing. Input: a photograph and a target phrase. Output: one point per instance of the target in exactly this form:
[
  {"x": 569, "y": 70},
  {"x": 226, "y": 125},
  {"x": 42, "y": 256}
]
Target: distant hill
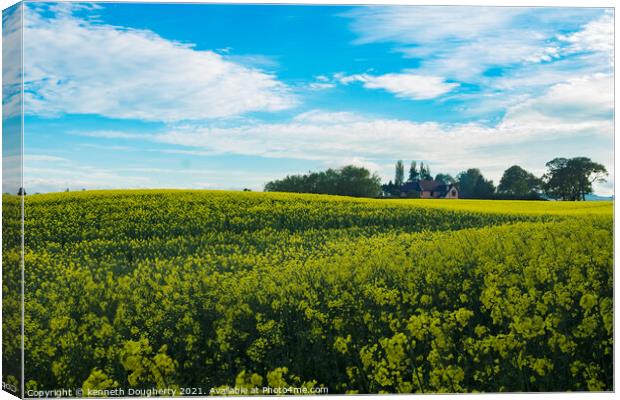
[{"x": 594, "y": 197}]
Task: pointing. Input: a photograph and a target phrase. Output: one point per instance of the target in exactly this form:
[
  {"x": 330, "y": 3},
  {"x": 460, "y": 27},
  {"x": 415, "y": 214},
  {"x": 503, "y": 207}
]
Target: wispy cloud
[
  {"x": 11, "y": 71},
  {"x": 596, "y": 36},
  {"x": 324, "y": 135},
  {"x": 29, "y": 158},
  {"x": 407, "y": 84},
  {"x": 575, "y": 102},
  {"x": 80, "y": 66},
  {"x": 321, "y": 85},
  {"x": 50, "y": 176},
  {"x": 321, "y": 117},
  {"x": 462, "y": 43},
  {"x": 107, "y": 134},
  {"x": 523, "y": 136},
  {"x": 532, "y": 132},
  {"x": 106, "y": 147},
  {"x": 51, "y": 179}
]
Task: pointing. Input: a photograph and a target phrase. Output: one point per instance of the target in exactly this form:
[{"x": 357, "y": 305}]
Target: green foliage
[
  {"x": 519, "y": 183},
  {"x": 399, "y": 174},
  {"x": 571, "y": 179},
  {"x": 425, "y": 172},
  {"x": 346, "y": 181},
  {"x": 445, "y": 178},
  {"x": 413, "y": 172},
  {"x": 472, "y": 185},
  {"x": 241, "y": 289}
]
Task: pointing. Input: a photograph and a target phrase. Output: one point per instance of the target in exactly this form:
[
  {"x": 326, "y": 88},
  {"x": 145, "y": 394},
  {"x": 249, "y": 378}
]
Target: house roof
[
  {"x": 410, "y": 187},
  {"x": 426, "y": 186}
]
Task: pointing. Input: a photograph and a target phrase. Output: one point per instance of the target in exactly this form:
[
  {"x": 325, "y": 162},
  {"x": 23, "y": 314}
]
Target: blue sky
[{"x": 228, "y": 97}]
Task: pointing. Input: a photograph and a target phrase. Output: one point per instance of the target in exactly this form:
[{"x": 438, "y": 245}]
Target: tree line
[
  {"x": 569, "y": 179},
  {"x": 346, "y": 181}
]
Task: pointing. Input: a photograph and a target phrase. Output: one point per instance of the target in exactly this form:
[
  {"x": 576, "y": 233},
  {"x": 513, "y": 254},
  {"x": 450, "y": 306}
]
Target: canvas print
[{"x": 215, "y": 199}]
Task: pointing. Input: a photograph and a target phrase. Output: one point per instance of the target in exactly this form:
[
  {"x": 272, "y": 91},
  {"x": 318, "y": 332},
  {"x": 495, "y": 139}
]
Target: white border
[{"x": 504, "y": 3}]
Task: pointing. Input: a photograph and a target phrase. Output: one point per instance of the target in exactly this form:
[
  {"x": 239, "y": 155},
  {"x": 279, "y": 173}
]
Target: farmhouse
[{"x": 429, "y": 189}]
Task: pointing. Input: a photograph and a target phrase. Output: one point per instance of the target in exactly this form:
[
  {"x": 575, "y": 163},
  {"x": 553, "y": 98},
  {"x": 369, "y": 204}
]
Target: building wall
[
  {"x": 452, "y": 196},
  {"x": 427, "y": 194},
  {"x": 430, "y": 195}
]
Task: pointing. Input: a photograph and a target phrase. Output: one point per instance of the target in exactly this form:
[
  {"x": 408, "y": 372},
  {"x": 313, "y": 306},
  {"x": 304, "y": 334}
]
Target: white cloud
[
  {"x": 321, "y": 85},
  {"x": 107, "y": 134},
  {"x": 321, "y": 135},
  {"x": 461, "y": 43},
  {"x": 530, "y": 134},
  {"x": 378, "y": 138},
  {"x": 49, "y": 176},
  {"x": 107, "y": 147},
  {"x": 597, "y": 35},
  {"x": 11, "y": 171},
  {"x": 28, "y": 158},
  {"x": 522, "y": 48},
  {"x": 575, "y": 102},
  {"x": 320, "y": 117},
  {"x": 11, "y": 71},
  {"x": 322, "y": 82},
  {"x": 80, "y": 66},
  {"x": 186, "y": 152},
  {"x": 372, "y": 166},
  {"x": 406, "y": 85},
  {"x": 427, "y": 24}
]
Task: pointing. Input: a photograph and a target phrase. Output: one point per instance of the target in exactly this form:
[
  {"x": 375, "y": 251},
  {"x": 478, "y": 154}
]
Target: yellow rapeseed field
[{"x": 216, "y": 290}]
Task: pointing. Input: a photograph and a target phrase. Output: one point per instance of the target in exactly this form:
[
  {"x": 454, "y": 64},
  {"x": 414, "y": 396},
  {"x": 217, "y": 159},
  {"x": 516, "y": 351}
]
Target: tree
[
  {"x": 572, "y": 178},
  {"x": 413, "y": 172},
  {"x": 517, "y": 182},
  {"x": 472, "y": 185},
  {"x": 467, "y": 182},
  {"x": 399, "y": 177},
  {"x": 445, "y": 178},
  {"x": 425, "y": 172},
  {"x": 391, "y": 189},
  {"x": 484, "y": 189},
  {"x": 357, "y": 182},
  {"x": 346, "y": 181},
  {"x": 588, "y": 172}
]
